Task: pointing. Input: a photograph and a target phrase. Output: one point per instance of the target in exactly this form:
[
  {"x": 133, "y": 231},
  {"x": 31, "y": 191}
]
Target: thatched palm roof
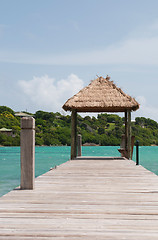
[
  {"x": 101, "y": 95},
  {"x": 22, "y": 114},
  {"x": 5, "y": 130}
]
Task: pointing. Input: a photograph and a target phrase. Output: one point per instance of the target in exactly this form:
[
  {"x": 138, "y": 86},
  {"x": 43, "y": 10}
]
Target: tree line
[{"x": 55, "y": 129}]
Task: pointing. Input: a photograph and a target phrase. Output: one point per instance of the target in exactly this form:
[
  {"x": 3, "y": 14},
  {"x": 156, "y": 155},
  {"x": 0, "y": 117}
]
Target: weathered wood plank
[{"x": 84, "y": 200}]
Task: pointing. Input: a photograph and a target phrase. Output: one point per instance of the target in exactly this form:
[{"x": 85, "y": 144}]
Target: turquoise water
[{"x": 47, "y": 157}]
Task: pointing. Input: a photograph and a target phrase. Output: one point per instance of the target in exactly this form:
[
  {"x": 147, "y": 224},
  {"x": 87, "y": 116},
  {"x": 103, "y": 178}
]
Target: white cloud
[
  {"x": 45, "y": 93},
  {"x": 141, "y": 100},
  {"x": 49, "y": 95},
  {"x": 146, "y": 110}
]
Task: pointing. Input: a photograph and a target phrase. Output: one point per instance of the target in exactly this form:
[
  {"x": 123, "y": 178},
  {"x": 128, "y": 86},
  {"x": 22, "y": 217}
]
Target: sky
[{"x": 50, "y": 49}]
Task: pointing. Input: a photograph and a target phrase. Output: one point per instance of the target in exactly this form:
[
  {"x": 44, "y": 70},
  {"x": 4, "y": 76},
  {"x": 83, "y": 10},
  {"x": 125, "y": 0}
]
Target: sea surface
[{"x": 49, "y": 157}]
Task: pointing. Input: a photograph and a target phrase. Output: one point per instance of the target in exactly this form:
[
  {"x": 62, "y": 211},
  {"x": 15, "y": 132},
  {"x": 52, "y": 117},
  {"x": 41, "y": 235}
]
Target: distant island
[{"x": 53, "y": 129}]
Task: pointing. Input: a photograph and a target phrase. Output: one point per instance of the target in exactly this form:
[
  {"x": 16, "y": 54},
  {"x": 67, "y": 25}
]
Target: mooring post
[
  {"x": 137, "y": 152},
  {"x": 79, "y": 145},
  {"x": 27, "y": 143}
]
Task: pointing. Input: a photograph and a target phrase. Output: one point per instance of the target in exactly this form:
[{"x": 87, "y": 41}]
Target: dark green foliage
[
  {"x": 9, "y": 121},
  {"x": 9, "y": 141},
  {"x": 101, "y": 130},
  {"x": 6, "y": 109},
  {"x": 55, "y": 129},
  {"x": 146, "y": 122}
]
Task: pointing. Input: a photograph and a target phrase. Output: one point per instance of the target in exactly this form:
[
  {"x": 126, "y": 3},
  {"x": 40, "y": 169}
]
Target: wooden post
[
  {"x": 27, "y": 142},
  {"x": 126, "y": 131},
  {"x": 129, "y": 134},
  {"x": 79, "y": 145},
  {"x": 137, "y": 152},
  {"x": 73, "y": 134}
]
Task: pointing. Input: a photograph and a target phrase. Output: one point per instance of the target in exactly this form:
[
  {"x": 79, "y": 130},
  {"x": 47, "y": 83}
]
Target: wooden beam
[
  {"x": 73, "y": 134},
  {"x": 126, "y": 131},
  {"x": 129, "y": 134}
]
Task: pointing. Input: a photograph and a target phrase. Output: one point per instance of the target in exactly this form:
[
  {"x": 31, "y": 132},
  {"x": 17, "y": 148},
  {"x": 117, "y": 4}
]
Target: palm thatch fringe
[{"x": 101, "y": 95}]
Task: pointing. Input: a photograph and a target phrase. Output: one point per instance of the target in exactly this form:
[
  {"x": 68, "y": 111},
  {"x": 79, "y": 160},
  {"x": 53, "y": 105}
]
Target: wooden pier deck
[{"x": 94, "y": 199}]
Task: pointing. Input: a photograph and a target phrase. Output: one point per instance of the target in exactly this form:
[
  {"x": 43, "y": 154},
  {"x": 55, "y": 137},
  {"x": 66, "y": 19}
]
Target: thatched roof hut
[
  {"x": 22, "y": 114},
  {"x": 6, "y": 131},
  {"x": 101, "y": 95}
]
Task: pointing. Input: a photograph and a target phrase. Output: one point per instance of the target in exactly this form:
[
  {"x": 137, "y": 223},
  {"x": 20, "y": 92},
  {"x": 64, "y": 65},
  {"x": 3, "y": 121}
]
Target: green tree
[
  {"x": 6, "y": 109},
  {"x": 101, "y": 130}
]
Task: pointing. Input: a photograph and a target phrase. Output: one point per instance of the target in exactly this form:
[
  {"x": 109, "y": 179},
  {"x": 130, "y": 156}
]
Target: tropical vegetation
[{"x": 55, "y": 129}]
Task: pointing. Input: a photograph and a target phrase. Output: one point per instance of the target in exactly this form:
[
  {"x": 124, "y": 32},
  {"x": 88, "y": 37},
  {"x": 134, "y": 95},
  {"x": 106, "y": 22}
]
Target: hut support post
[
  {"x": 126, "y": 131},
  {"x": 73, "y": 134},
  {"x": 129, "y": 134},
  {"x": 79, "y": 145},
  {"x": 27, "y": 142}
]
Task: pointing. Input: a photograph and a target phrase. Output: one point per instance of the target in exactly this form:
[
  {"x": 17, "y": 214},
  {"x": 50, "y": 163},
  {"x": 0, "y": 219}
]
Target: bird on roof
[{"x": 107, "y": 77}]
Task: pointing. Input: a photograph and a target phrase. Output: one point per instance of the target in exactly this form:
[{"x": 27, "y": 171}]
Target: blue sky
[{"x": 50, "y": 49}]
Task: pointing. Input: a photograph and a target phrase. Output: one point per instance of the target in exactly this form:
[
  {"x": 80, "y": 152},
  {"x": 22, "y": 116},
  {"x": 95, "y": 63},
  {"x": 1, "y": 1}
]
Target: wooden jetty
[{"x": 94, "y": 199}]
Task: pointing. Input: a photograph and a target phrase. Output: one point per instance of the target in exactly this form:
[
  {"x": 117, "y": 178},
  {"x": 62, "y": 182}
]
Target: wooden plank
[{"x": 84, "y": 200}]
